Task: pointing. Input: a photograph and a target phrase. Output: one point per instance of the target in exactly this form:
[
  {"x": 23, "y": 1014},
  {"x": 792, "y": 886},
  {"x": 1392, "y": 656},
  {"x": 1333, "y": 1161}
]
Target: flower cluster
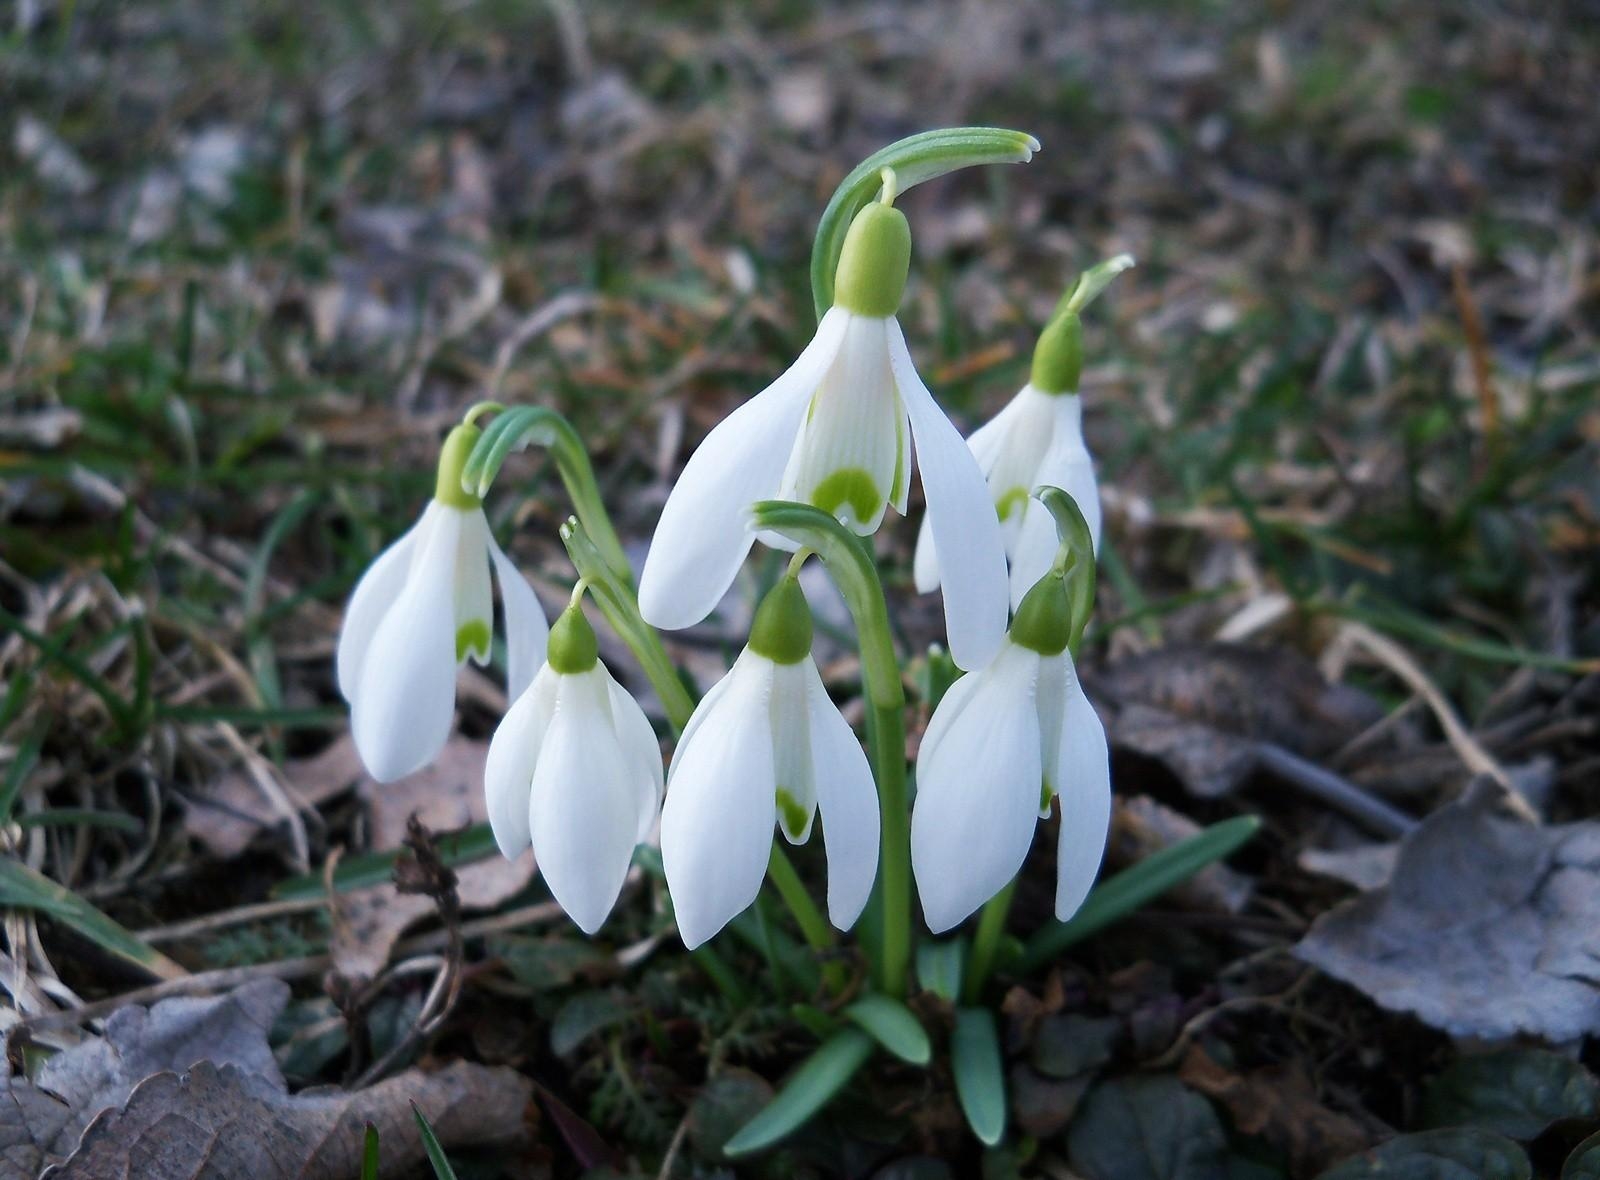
[{"x": 575, "y": 768}]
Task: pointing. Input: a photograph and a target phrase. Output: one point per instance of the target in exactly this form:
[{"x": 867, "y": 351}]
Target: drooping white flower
[
  {"x": 837, "y": 430},
  {"x": 574, "y": 769},
  {"x": 419, "y": 612},
  {"x": 1002, "y": 743},
  {"x": 766, "y": 746},
  {"x": 1036, "y": 439}
]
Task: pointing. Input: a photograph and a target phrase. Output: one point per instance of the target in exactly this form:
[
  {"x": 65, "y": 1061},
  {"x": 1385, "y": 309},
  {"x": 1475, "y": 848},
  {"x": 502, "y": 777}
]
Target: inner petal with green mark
[
  {"x": 792, "y": 814},
  {"x": 853, "y": 487},
  {"x": 472, "y": 638},
  {"x": 1011, "y": 500}
]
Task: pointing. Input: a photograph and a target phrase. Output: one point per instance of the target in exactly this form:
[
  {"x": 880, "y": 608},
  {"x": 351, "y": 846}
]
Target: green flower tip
[
  {"x": 453, "y": 455},
  {"x": 875, "y": 261},
  {"x": 782, "y": 629},
  {"x": 1043, "y": 622},
  {"x": 573, "y": 647}
]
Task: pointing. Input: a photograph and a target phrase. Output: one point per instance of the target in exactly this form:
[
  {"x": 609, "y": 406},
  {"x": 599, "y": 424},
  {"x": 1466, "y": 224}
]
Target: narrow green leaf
[
  {"x": 808, "y": 1090},
  {"x": 23, "y": 888},
  {"x": 430, "y": 1143},
  {"x": 369, "y": 1154},
  {"x": 914, "y": 159},
  {"x": 980, "y": 1074},
  {"x": 940, "y": 966},
  {"x": 21, "y": 766},
  {"x": 1137, "y": 885},
  {"x": 72, "y": 817},
  {"x": 893, "y": 1026},
  {"x": 1584, "y": 1162}
]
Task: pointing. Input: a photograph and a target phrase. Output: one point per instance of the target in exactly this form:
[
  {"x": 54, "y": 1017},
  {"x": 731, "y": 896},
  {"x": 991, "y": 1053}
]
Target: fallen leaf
[
  {"x": 189, "y": 1086},
  {"x": 1278, "y": 1104},
  {"x": 220, "y": 1122},
  {"x": 1147, "y": 1128},
  {"x": 1486, "y": 928},
  {"x": 234, "y": 811},
  {"x": 1518, "y": 1093},
  {"x": 1201, "y": 710},
  {"x": 445, "y": 796},
  {"x": 1366, "y": 867},
  {"x": 1461, "y": 1153}
]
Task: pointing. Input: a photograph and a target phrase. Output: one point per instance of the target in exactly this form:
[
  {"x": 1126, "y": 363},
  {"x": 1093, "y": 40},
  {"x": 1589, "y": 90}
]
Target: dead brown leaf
[
  {"x": 234, "y": 811},
  {"x": 1279, "y": 1104}
]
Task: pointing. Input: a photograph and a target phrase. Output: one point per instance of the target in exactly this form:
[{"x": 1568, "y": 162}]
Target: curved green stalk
[
  {"x": 518, "y": 427},
  {"x": 856, "y": 574},
  {"x": 620, "y": 607},
  {"x": 914, "y": 159}
]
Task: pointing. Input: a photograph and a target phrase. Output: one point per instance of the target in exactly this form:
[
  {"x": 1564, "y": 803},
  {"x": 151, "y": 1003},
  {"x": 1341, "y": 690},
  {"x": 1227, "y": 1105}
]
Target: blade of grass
[
  {"x": 23, "y": 888},
  {"x": 430, "y": 1143},
  {"x": 1137, "y": 885}
]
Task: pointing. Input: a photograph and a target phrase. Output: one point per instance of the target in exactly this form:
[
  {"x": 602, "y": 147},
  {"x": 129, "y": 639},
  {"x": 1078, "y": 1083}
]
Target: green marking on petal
[
  {"x": 1045, "y": 794},
  {"x": 900, "y": 484},
  {"x": 1010, "y": 501},
  {"x": 791, "y": 814},
  {"x": 472, "y": 637},
  {"x": 852, "y": 486}
]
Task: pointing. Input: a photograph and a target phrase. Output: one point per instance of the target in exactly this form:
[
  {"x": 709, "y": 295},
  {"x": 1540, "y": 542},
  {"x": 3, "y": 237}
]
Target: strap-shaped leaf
[
  {"x": 1137, "y": 885},
  {"x": 914, "y": 159},
  {"x": 940, "y": 965},
  {"x": 893, "y": 1026},
  {"x": 808, "y": 1090},
  {"x": 430, "y": 1143},
  {"x": 980, "y": 1074},
  {"x": 24, "y": 889}
]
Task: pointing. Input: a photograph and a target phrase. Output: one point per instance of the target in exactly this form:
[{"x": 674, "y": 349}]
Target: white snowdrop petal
[
  {"x": 848, "y": 800},
  {"x": 716, "y": 825},
  {"x": 527, "y": 628},
  {"x": 374, "y": 594},
  {"x": 643, "y": 752},
  {"x": 1085, "y": 795},
  {"x": 405, "y": 702},
  {"x": 474, "y": 595},
  {"x": 513, "y": 755},
  {"x": 703, "y": 534},
  {"x": 850, "y": 438},
  {"x": 707, "y": 708},
  {"x": 793, "y": 770},
  {"x": 1055, "y": 677},
  {"x": 962, "y": 517},
  {"x": 582, "y": 813},
  {"x": 984, "y": 443},
  {"x": 977, "y": 796},
  {"x": 955, "y": 699}
]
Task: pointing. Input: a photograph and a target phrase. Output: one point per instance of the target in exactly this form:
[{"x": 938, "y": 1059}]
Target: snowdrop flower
[
  {"x": 1036, "y": 439},
  {"x": 766, "y": 746},
  {"x": 574, "y": 769},
  {"x": 1001, "y": 744},
  {"x": 837, "y": 430},
  {"x": 420, "y": 611}
]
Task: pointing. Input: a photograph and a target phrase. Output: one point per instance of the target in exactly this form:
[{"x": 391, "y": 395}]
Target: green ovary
[
  {"x": 852, "y": 486},
  {"x": 1012, "y": 500},
  {"x": 791, "y": 814},
  {"x": 472, "y": 637}
]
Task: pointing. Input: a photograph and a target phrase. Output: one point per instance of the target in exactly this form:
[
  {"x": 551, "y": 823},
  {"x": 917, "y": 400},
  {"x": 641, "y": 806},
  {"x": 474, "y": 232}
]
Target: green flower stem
[
  {"x": 819, "y": 935},
  {"x": 620, "y": 607},
  {"x": 850, "y": 563},
  {"x": 913, "y": 160},
  {"x": 515, "y": 428},
  {"x": 991, "y": 925}
]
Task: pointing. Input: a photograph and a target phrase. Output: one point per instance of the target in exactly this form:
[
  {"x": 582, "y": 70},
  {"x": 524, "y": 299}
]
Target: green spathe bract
[
  {"x": 1058, "y": 357},
  {"x": 1044, "y": 618},
  {"x": 874, "y": 262},
  {"x": 782, "y": 628},
  {"x": 453, "y": 457},
  {"x": 573, "y": 647}
]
